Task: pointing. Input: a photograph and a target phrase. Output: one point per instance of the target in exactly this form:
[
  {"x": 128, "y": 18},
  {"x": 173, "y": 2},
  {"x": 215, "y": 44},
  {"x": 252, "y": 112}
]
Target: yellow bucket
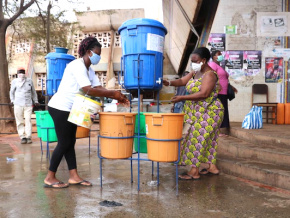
[
  {"x": 163, "y": 126},
  {"x": 82, "y": 110},
  {"x": 116, "y": 125}
]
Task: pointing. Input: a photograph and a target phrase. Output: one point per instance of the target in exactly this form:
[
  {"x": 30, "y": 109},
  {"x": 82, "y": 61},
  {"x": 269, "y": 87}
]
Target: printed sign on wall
[
  {"x": 234, "y": 59},
  {"x": 252, "y": 62},
  {"x": 273, "y": 69},
  {"x": 230, "y": 29},
  {"x": 273, "y": 24},
  {"x": 217, "y": 41}
]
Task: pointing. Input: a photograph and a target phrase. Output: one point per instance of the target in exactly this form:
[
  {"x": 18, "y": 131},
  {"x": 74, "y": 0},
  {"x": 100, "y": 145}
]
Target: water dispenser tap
[{"x": 159, "y": 81}]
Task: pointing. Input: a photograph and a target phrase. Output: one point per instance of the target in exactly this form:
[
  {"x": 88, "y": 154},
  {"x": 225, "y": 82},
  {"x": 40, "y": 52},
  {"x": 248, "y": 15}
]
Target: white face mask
[
  {"x": 21, "y": 76},
  {"x": 196, "y": 67}
]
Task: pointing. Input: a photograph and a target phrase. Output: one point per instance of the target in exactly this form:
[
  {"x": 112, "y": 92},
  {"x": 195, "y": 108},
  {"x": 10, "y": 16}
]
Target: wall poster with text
[
  {"x": 273, "y": 69},
  {"x": 234, "y": 60},
  {"x": 217, "y": 41},
  {"x": 252, "y": 62}
]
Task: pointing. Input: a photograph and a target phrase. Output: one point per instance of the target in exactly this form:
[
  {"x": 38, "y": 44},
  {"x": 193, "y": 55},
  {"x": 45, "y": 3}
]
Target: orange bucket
[
  {"x": 163, "y": 126},
  {"x": 287, "y": 113},
  {"x": 82, "y": 132},
  {"x": 116, "y": 125},
  {"x": 280, "y": 113}
]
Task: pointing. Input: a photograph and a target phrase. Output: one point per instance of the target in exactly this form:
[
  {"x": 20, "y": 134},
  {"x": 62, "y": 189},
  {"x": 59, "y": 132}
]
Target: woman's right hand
[
  {"x": 165, "y": 82},
  {"x": 121, "y": 98}
]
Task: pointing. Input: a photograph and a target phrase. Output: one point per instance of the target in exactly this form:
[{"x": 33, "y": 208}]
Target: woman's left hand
[{"x": 176, "y": 99}]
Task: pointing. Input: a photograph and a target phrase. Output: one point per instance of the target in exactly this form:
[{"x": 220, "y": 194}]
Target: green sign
[{"x": 230, "y": 29}]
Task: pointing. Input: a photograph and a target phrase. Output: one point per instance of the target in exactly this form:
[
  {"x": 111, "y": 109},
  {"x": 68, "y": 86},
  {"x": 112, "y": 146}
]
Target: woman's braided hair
[{"x": 88, "y": 44}]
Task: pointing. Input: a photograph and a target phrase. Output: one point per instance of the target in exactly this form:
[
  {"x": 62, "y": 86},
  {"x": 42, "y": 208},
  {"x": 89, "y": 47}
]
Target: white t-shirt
[{"x": 75, "y": 76}]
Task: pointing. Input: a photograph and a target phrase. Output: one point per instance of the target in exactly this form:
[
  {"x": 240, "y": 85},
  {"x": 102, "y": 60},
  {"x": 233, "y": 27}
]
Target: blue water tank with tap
[
  {"x": 56, "y": 63},
  {"x": 142, "y": 43}
]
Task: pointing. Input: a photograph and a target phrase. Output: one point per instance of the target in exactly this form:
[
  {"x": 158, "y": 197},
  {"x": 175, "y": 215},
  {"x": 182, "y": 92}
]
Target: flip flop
[
  {"x": 53, "y": 185},
  {"x": 81, "y": 183},
  {"x": 190, "y": 177},
  {"x": 206, "y": 172}
]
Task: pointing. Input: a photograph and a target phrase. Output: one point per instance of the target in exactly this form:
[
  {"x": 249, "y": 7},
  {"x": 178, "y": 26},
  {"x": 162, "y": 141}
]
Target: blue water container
[
  {"x": 56, "y": 63},
  {"x": 142, "y": 53}
]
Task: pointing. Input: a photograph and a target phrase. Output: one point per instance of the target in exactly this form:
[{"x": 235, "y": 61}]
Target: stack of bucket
[
  {"x": 142, "y": 141},
  {"x": 117, "y": 125},
  {"x": 163, "y": 126},
  {"x": 44, "y": 121},
  {"x": 283, "y": 113}
]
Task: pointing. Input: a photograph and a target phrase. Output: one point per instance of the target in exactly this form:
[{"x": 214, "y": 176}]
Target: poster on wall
[
  {"x": 236, "y": 74},
  {"x": 252, "y": 62},
  {"x": 230, "y": 29},
  {"x": 273, "y": 69},
  {"x": 217, "y": 41},
  {"x": 277, "y": 41},
  {"x": 233, "y": 60},
  {"x": 271, "y": 24},
  {"x": 282, "y": 52},
  {"x": 274, "y": 24}
]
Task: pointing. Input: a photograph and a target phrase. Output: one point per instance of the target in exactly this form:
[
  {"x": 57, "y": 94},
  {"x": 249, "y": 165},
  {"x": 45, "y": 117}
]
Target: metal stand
[
  {"x": 137, "y": 135},
  {"x": 47, "y": 142}
]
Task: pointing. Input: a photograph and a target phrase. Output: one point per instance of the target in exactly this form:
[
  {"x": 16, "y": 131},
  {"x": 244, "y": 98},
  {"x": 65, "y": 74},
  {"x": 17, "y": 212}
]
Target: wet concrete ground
[{"x": 22, "y": 193}]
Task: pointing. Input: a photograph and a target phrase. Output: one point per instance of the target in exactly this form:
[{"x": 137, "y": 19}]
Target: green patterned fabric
[{"x": 205, "y": 117}]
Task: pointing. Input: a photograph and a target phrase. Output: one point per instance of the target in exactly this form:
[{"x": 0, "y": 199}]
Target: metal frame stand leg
[
  {"x": 101, "y": 169},
  {"x": 41, "y": 146},
  {"x": 90, "y": 143},
  {"x": 157, "y": 173},
  {"x": 131, "y": 170}
]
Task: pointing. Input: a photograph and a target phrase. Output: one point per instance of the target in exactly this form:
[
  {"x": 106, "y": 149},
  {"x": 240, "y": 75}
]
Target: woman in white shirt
[{"x": 77, "y": 75}]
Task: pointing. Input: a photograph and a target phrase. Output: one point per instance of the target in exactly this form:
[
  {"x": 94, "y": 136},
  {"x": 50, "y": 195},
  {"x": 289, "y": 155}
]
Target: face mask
[
  {"x": 95, "y": 59},
  {"x": 21, "y": 76},
  {"x": 220, "y": 58},
  {"x": 196, "y": 67}
]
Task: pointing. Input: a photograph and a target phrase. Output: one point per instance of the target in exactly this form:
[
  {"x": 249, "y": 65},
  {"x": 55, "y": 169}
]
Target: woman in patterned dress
[{"x": 203, "y": 113}]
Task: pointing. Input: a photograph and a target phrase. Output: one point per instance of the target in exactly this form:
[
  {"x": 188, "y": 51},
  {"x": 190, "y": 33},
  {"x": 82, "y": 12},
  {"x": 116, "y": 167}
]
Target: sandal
[
  {"x": 55, "y": 185},
  {"x": 82, "y": 183},
  {"x": 190, "y": 177},
  {"x": 206, "y": 172}
]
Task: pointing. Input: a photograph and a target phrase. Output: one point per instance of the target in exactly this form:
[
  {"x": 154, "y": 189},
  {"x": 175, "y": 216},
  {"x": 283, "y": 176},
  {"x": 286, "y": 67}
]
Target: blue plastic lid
[
  {"x": 60, "y": 53},
  {"x": 61, "y": 50},
  {"x": 142, "y": 22}
]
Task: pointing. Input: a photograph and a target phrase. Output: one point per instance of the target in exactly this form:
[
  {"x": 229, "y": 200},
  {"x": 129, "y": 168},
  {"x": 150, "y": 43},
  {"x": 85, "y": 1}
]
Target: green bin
[
  {"x": 143, "y": 141},
  {"x": 37, "y": 114},
  {"x": 45, "y": 120}
]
